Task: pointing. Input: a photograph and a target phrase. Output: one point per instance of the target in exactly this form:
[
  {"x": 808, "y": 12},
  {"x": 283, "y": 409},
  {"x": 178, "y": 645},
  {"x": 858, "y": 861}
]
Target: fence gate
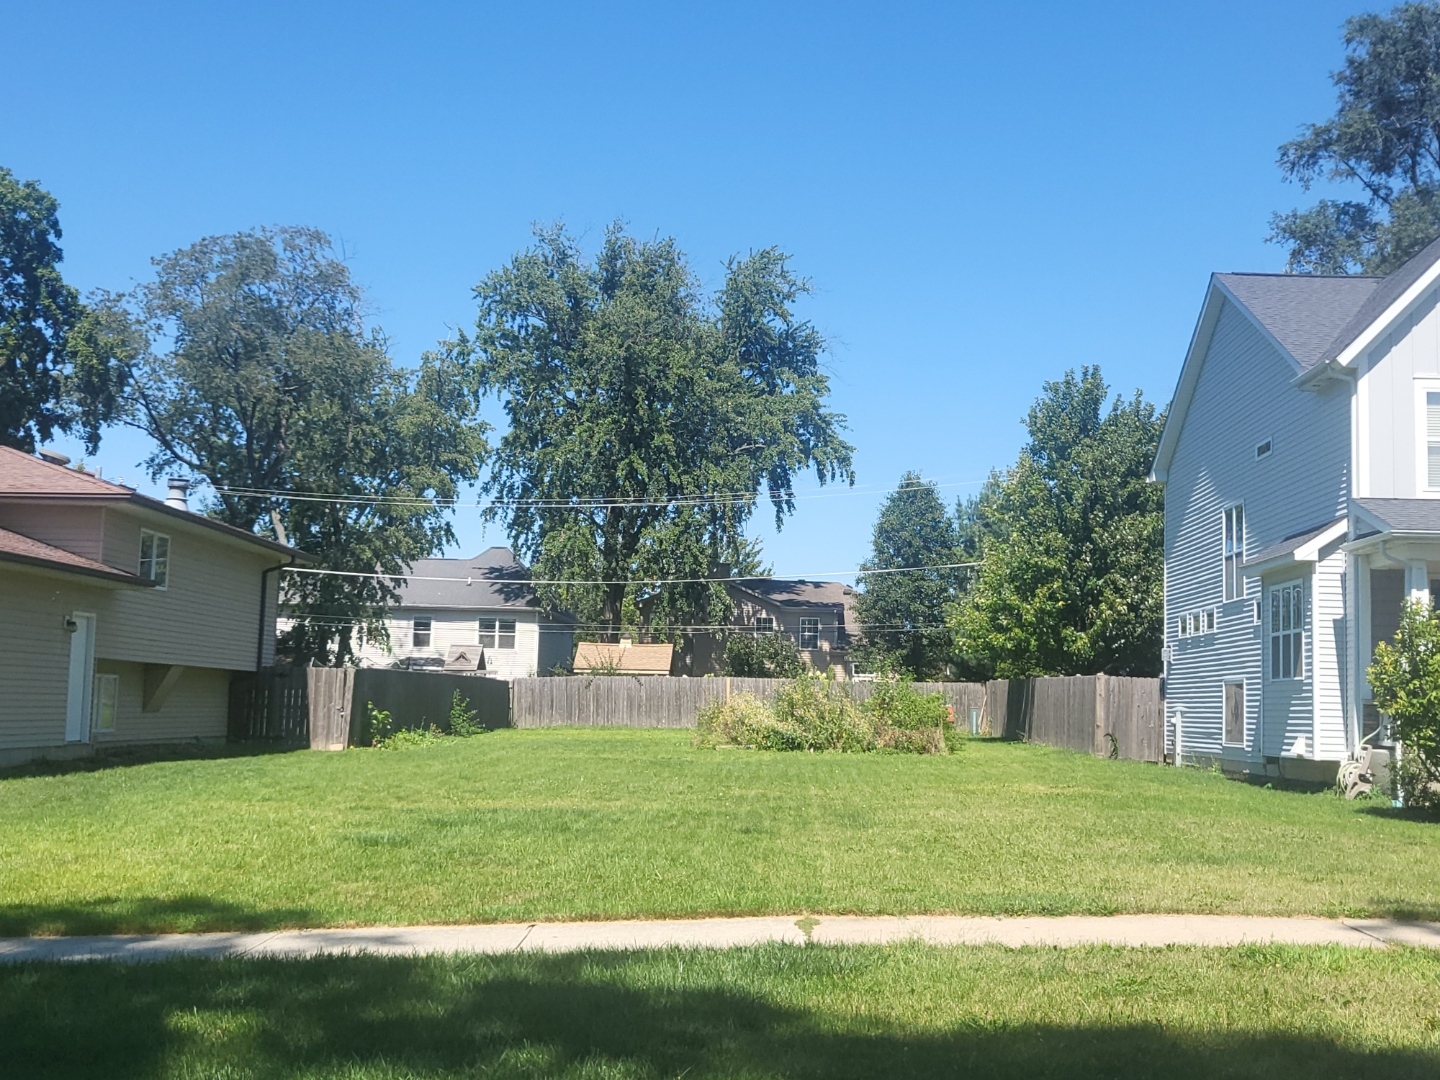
[{"x": 330, "y": 694}]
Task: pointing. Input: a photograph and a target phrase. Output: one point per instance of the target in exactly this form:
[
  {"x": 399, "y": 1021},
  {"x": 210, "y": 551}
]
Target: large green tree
[
  {"x": 38, "y": 314},
  {"x": 647, "y": 419},
  {"x": 902, "y": 615},
  {"x": 248, "y": 362},
  {"x": 1384, "y": 138},
  {"x": 1071, "y": 580}
]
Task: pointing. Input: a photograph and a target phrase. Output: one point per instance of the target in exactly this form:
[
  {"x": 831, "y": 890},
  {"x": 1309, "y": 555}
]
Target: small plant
[
  {"x": 408, "y": 737},
  {"x": 463, "y": 721},
  {"x": 379, "y": 724}
]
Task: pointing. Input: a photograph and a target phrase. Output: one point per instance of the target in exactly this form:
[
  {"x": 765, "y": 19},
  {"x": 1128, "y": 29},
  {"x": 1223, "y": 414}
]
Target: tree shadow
[
  {"x": 106, "y": 758},
  {"x": 146, "y": 915},
  {"x": 567, "y": 1016}
]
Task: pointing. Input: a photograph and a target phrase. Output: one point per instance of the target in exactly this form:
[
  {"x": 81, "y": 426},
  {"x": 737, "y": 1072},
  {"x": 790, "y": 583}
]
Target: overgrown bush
[
  {"x": 385, "y": 734},
  {"x": 815, "y": 713},
  {"x": 463, "y": 721},
  {"x": 763, "y": 656},
  {"x": 1406, "y": 679}
]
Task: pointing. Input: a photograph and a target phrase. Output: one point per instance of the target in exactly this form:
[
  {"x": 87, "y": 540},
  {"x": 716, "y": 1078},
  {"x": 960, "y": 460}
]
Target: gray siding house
[
  {"x": 818, "y": 616},
  {"x": 122, "y": 618},
  {"x": 1301, "y": 464},
  {"x": 484, "y": 602}
]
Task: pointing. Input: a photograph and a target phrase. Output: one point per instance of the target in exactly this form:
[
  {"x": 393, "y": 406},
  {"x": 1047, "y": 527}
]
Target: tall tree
[
  {"x": 38, "y": 313},
  {"x": 248, "y": 362},
  {"x": 902, "y": 616},
  {"x": 1072, "y": 574},
  {"x": 646, "y": 420},
  {"x": 1384, "y": 137}
]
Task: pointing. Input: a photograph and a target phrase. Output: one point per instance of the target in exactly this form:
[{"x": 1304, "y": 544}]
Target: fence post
[{"x": 1102, "y": 716}]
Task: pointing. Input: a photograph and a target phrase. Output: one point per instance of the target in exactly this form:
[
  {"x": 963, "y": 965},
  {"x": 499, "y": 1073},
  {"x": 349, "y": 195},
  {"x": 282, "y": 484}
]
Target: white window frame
[
  {"x": 1225, "y": 686},
  {"x": 809, "y": 626},
  {"x": 1287, "y": 641},
  {"x": 1264, "y": 448},
  {"x": 764, "y": 624},
  {"x": 1423, "y": 388},
  {"x": 1233, "y": 552},
  {"x": 159, "y": 565},
  {"x": 416, "y": 631},
  {"x": 493, "y": 632},
  {"x": 106, "y": 685}
]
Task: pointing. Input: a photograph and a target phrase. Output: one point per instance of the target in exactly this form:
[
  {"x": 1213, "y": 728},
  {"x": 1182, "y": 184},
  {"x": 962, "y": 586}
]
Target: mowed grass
[
  {"x": 772, "y": 1011},
  {"x": 524, "y": 825}
]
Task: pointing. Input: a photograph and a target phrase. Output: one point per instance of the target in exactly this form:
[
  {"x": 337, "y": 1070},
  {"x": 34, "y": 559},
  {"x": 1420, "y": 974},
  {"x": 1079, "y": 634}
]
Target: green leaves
[
  {"x": 1385, "y": 137},
  {"x": 1072, "y": 543},
  {"x": 646, "y": 420},
  {"x": 1405, "y": 679}
]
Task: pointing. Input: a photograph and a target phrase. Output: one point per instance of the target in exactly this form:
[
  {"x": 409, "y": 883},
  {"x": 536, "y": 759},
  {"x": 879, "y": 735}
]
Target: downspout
[{"x": 264, "y": 592}]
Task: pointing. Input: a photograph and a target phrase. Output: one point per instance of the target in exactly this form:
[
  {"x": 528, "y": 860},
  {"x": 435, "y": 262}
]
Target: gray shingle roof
[
  {"x": 1289, "y": 544},
  {"x": 798, "y": 592},
  {"x": 1404, "y": 515},
  {"x": 1305, "y": 312},
  {"x": 1391, "y": 289},
  {"x": 492, "y": 579}
]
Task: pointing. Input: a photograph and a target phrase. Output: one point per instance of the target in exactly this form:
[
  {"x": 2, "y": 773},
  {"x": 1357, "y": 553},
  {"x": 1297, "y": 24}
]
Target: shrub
[
  {"x": 462, "y": 718},
  {"x": 1406, "y": 679},
  {"x": 816, "y": 713},
  {"x": 406, "y": 737},
  {"x": 763, "y": 656}
]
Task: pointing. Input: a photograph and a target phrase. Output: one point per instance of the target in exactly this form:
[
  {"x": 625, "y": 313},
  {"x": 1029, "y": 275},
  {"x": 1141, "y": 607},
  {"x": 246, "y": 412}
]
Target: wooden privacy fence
[{"x": 327, "y": 708}]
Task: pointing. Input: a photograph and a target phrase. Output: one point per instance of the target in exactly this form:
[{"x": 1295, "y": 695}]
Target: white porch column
[{"x": 1417, "y": 581}]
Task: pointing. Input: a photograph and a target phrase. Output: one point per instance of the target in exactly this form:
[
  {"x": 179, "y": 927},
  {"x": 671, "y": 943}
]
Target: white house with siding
[
  {"x": 122, "y": 618},
  {"x": 484, "y": 603},
  {"x": 1301, "y": 464}
]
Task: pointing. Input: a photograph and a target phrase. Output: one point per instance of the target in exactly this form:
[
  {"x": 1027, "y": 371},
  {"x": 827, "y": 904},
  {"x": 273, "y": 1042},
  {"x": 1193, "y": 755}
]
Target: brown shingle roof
[
  {"x": 625, "y": 659},
  {"x": 21, "y": 549}
]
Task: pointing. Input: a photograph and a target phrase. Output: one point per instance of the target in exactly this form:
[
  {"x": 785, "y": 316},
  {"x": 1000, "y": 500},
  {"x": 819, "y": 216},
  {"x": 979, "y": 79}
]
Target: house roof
[
  {"x": 26, "y": 478},
  {"x": 1303, "y": 312},
  {"x": 1389, "y": 290},
  {"x": 1402, "y": 515},
  {"x": 493, "y": 579},
  {"x": 1298, "y": 547},
  {"x": 797, "y": 592},
  {"x": 15, "y": 548},
  {"x": 626, "y": 659}
]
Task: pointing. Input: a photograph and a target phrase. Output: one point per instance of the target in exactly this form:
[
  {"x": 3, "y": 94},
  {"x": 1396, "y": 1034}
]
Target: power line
[{"x": 627, "y": 581}]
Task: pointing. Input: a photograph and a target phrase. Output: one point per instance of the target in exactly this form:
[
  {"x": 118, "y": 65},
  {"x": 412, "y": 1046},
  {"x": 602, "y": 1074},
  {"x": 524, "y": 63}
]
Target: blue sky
[{"x": 983, "y": 194}]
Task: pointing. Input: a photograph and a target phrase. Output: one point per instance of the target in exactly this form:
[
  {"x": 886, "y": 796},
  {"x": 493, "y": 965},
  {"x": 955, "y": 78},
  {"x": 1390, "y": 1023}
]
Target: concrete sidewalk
[{"x": 1122, "y": 930}]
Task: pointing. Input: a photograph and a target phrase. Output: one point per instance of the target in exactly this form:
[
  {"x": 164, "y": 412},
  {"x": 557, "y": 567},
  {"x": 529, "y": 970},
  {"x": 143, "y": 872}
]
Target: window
[
  {"x": 104, "y": 701},
  {"x": 497, "y": 633},
  {"x": 809, "y": 633},
  {"x": 420, "y": 634},
  {"x": 1182, "y": 626},
  {"x": 1263, "y": 450},
  {"x": 1432, "y": 439},
  {"x": 1287, "y": 626},
  {"x": 764, "y": 624},
  {"x": 1209, "y": 620},
  {"x": 1234, "y": 552},
  {"x": 155, "y": 557},
  {"x": 1234, "y": 714}
]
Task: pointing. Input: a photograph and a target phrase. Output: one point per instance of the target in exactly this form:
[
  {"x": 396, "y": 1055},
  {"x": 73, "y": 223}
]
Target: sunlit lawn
[
  {"x": 521, "y": 825},
  {"x": 773, "y": 1011}
]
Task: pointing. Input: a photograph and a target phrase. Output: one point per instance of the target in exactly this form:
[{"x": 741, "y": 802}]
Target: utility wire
[{"x": 626, "y": 581}]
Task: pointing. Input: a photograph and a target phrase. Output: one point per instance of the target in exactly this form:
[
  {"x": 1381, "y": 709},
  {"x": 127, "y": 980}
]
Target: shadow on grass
[
  {"x": 565, "y": 1016},
  {"x": 145, "y": 915},
  {"x": 119, "y": 757}
]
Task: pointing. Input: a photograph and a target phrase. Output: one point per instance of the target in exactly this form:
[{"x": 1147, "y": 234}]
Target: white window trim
[
  {"x": 1269, "y": 631},
  {"x": 1225, "y": 596},
  {"x": 140, "y": 557},
  {"x": 1244, "y": 710},
  {"x": 802, "y": 632},
  {"x": 769, "y": 620},
  {"x": 1424, "y": 385},
  {"x": 429, "y": 631},
  {"x": 494, "y": 633},
  {"x": 1264, "y": 448}
]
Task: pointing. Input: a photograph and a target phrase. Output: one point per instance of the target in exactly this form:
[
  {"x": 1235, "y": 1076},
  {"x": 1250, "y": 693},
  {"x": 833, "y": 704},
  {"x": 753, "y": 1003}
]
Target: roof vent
[
  {"x": 54, "y": 457},
  {"x": 179, "y": 488}
]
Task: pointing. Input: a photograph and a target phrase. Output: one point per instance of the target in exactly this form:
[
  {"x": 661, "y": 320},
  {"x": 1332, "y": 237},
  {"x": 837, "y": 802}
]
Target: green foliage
[
  {"x": 902, "y": 616},
  {"x": 816, "y": 713},
  {"x": 405, "y": 738},
  {"x": 1072, "y": 574},
  {"x": 38, "y": 315},
  {"x": 1405, "y": 677},
  {"x": 763, "y": 656},
  {"x": 631, "y": 396},
  {"x": 247, "y": 361},
  {"x": 1385, "y": 136},
  {"x": 463, "y": 722}
]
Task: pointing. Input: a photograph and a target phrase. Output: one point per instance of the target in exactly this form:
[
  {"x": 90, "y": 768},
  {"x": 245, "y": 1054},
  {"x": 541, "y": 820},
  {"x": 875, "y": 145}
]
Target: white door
[{"x": 82, "y": 666}]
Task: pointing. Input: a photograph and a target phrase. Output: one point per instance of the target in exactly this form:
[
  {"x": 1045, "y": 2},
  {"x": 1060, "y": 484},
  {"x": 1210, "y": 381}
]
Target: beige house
[
  {"x": 122, "y": 618},
  {"x": 818, "y": 616}
]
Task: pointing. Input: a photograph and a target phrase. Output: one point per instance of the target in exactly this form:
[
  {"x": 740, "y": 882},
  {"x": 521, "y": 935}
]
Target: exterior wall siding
[
  {"x": 787, "y": 621},
  {"x": 197, "y": 708},
  {"x": 1388, "y": 440},
  {"x": 1243, "y": 396},
  {"x": 1329, "y": 632},
  {"x": 456, "y": 627},
  {"x": 77, "y": 529}
]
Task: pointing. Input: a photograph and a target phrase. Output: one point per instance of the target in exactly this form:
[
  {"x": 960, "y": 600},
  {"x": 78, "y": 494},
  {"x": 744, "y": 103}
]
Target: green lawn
[
  {"x": 612, "y": 823},
  {"x": 773, "y": 1011}
]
